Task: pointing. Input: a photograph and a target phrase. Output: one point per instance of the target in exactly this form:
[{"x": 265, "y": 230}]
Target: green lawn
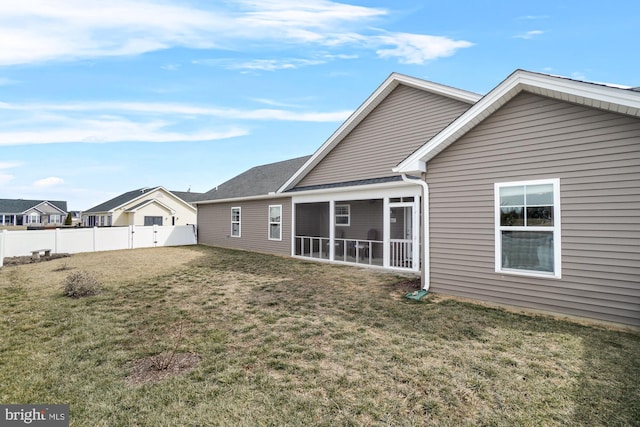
[{"x": 287, "y": 342}]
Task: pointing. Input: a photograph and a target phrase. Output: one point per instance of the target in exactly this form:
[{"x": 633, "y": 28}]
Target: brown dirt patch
[
  {"x": 21, "y": 260},
  {"x": 112, "y": 267},
  {"x": 144, "y": 371}
]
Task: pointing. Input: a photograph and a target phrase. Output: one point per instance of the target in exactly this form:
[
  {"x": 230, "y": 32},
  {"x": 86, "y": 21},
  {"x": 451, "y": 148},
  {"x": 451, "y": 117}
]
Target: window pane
[
  {"x": 540, "y": 216},
  {"x": 512, "y": 216},
  {"x": 274, "y": 231},
  {"x": 512, "y": 196},
  {"x": 540, "y": 194},
  {"x": 342, "y": 220},
  {"x": 342, "y": 210},
  {"x": 527, "y": 250},
  {"x": 274, "y": 214},
  {"x": 235, "y": 229}
]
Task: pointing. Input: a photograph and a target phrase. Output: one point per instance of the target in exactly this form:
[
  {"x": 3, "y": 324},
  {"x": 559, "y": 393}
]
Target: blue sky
[{"x": 102, "y": 97}]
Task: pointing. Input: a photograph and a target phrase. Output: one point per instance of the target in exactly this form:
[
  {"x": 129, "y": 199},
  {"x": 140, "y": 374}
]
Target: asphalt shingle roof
[
  {"x": 257, "y": 181},
  {"x": 16, "y": 206},
  {"x": 187, "y": 196}
]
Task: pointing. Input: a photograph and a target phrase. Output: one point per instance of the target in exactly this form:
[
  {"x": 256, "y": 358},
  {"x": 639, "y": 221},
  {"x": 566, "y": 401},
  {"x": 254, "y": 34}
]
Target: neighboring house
[
  {"x": 32, "y": 212},
  {"x": 528, "y": 196},
  {"x": 244, "y": 212},
  {"x": 144, "y": 206}
]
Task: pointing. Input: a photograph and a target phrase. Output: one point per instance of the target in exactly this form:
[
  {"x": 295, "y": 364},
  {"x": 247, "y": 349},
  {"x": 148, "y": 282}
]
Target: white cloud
[
  {"x": 9, "y": 165},
  {"x": 529, "y": 34},
  {"x": 6, "y": 81},
  {"x": 170, "y": 67},
  {"x": 418, "y": 48},
  {"x": 95, "y": 131},
  {"x": 51, "y": 181},
  {"x": 533, "y": 17},
  {"x": 5, "y": 178},
  {"x": 108, "y": 122},
  {"x": 259, "y": 64},
  {"x": 33, "y": 31},
  {"x": 175, "y": 109},
  {"x": 273, "y": 102}
]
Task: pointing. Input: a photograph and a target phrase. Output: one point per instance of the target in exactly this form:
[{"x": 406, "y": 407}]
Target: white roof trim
[
  {"x": 145, "y": 194},
  {"x": 48, "y": 203},
  {"x": 589, "y": 94},
  {"x": 363, "y": 111},
  {"x": 240, "y": 199},
  {"x": 148, "y": 202}
]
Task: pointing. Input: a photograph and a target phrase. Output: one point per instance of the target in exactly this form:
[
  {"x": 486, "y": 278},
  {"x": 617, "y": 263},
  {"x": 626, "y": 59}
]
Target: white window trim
[
  {"x": 556, "y": 229},
  {"x": 274, "y": 222},
  {"x": 239, "y": 222},
  {"x": 342, "y": 205}
]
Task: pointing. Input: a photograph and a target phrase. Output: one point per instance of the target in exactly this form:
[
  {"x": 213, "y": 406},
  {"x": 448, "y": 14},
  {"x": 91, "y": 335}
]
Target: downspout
[{"x": 424, "y": 271}]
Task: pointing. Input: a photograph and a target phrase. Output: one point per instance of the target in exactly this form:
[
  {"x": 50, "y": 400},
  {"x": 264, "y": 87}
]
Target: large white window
[
  {"x": 236, "y": 222},
  {"x": 527, "y": 225},
  {"x": 343, "y": 215},
  {"x": 275, "y": 222}
]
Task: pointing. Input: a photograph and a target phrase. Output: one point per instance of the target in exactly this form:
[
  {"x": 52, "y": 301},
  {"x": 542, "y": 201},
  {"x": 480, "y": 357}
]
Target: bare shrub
[
  {"x": 16, "y": 280},
  {"x": 81, "y": 284},
  {"x": 63, "y": 267},
  {"x": 163, "y": 361}
]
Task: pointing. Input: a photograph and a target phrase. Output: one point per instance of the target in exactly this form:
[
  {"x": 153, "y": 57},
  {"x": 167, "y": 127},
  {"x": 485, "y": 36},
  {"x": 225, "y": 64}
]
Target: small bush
[{"x": 81, "y": 284}]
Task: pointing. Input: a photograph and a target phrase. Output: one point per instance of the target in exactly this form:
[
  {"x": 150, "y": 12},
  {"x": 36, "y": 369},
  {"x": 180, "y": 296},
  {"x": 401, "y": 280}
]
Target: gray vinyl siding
[
  {"x": 596, "y": 155},
  {"x": 214, "y": 226},
  {"x": 405, "y": 120}
]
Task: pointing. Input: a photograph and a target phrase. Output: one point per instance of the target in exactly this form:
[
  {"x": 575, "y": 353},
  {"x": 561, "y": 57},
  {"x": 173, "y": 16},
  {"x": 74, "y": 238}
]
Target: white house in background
[
  {"x": 144, "y": 206},
  {"x": 32, "y": 212}
]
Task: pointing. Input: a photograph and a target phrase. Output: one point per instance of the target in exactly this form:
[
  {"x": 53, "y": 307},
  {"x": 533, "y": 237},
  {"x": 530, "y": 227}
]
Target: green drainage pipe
[{"x": 417, "y": 295}]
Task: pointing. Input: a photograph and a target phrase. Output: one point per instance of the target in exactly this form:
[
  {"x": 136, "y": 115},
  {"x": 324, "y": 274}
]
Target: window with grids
[
  {"x": 275, "y": 222},
  {"x": 528, "y": 227},
  {"x": 343, "y": 215},
  {"x": 236, "y": 222}
]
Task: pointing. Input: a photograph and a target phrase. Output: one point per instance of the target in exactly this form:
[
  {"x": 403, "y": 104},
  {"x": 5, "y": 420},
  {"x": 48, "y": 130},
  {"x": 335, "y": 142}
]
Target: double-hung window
[
  {"x": 236, "y": 222},
  {"x": 343, "y": 215},
  {"x": 275, "y": 222},
  {"x": 527, "y": 229}
]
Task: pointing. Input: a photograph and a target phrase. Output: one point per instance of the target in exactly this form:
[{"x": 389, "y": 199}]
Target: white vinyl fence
[{"x": 76, "y": 240}]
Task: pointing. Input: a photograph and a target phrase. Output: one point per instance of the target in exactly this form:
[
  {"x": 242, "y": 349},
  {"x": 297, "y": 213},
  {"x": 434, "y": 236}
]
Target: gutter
[{"x": 424, "y": 271}]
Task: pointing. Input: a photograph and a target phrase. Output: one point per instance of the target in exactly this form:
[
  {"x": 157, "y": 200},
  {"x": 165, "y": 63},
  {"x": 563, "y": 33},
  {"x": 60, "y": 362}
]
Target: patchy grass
[{"x": 285, "y": 342}]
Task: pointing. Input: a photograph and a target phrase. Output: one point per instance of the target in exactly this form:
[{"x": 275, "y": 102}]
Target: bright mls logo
[{"x": 36, "y": 415}]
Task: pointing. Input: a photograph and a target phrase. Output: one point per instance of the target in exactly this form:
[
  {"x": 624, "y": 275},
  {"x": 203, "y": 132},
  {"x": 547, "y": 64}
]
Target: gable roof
[
  {"x": 149, "y": 202},
  {"x": 257, "y": 181},
  {"x": 375, "y": 99},
  {"x": 605, "y": 97},
  {"x": 18, "y": 206},
  {"x": 130, "y": 196}
]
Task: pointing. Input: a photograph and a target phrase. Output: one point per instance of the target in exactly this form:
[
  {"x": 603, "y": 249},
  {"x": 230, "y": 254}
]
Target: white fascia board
[
  {"x": 560, "y": 88},
  {"x": 438, "y": 89},
  {"x": 371, "y": 191},
  {"x": 132, "y": 200},
  {"x": 146, "y": 193},
  {"x": 614, "y": 99},
  {"x": 48, "y": 203},
  {"x": 151, "y": 201},
  {"x": 243, "y": 199},
  {"x": 366, "y": 107}
]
